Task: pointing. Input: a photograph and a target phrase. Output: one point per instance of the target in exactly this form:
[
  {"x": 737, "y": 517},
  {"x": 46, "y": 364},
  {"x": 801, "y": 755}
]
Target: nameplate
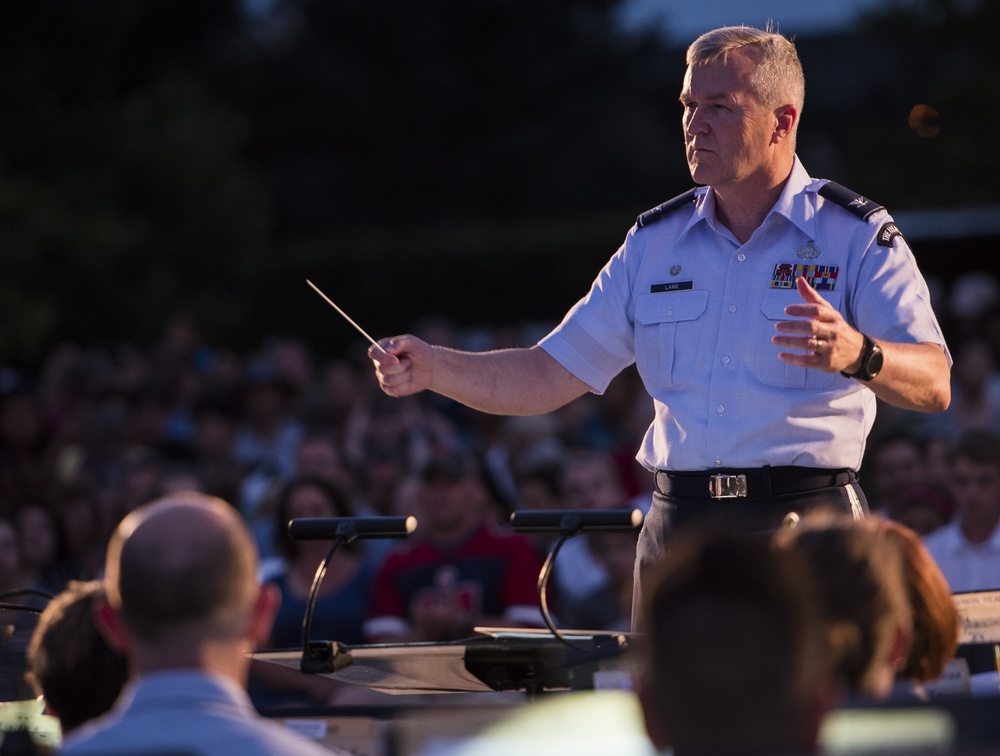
[{"x": 671, "y": 286}]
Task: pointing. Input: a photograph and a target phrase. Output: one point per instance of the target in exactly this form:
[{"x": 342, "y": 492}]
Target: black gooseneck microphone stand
[
  {"x": 324, "y": 657},
  {"x": 568, "y": 523}
]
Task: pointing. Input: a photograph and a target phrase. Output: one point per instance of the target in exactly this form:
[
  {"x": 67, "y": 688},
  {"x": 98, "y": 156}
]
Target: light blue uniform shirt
[
  {"x": 695, "y": 311},
  {"x": 187, "y": 713}
]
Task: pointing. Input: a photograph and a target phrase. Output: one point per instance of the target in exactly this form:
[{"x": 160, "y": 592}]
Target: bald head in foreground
[{"x": 184, "y": 603}]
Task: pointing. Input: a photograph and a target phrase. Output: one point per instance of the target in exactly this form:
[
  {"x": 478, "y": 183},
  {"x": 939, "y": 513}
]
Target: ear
[
  {"x": 262, "y": 615},
  {"x": 655, "y": 727},
  {"x": 785, "y": 117},
  {"x": 109, "y": 624}
]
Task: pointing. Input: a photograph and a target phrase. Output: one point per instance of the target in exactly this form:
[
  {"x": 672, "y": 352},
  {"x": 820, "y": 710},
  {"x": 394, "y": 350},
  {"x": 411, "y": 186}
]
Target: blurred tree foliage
[
  {"x": 124, "y": 191},
  {"x": 480, "y": 159},
  {"x": 941, "y": 54}
]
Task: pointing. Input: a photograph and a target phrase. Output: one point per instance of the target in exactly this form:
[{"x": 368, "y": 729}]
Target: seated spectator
[
  {"x": 184, "y": 601},
  {"x": 319, "y": 455},
  {"x": 458, "y": 570},
  {"x": 341, "y": 604},
  {"x": 975, "y": 388},
  {"x": 894, "y": 462},
  {"x": 214, "y": 420},
  {"x": 44, "y": 559},
  {"x": 591, "y": 480},
  {"x": 936, "y": 450},
  {"x": 923, "y": 509},
  {"x": 67, "y": 649},
  {"x": 733, "y": 656},
  {"x": 139, "y": 469},
  {"x": 968, "y": 549},
  {"x": 84, "y": 528},
  {"x": 16, "y": 625},
  {"x": 608, "y": 607},
  {"x": 540, "y": 488},
  {"x": 379, "y": 472},
  {"x": 293, "y": 361},
  {"x": 859, "y": 574},
  {"x": 178, "y": 476},
  {"x": 339, "y": 392},
  {"x": 23, "y": 440},
  {"x": 267, "y": 435}
]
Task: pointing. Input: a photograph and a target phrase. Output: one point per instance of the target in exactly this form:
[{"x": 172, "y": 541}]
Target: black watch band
[{"x": 871, "y": 361}]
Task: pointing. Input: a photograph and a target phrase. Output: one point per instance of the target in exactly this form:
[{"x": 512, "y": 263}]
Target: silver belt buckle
[{"x": 727, "y": 486}]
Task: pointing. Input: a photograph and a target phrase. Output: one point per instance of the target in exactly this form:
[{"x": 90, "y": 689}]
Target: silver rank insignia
[
  {"x": 675, "y": 270},
  {"x": 810, "y": 251}
]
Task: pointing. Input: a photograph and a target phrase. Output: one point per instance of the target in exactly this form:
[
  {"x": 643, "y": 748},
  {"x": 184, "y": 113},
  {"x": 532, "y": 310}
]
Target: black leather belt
[{"x": 749, "y": 483}]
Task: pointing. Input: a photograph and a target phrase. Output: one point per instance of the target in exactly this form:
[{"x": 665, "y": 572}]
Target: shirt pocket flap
[
  {"x": 672, "y": 307},
  {"x": 774, "y": 303}
]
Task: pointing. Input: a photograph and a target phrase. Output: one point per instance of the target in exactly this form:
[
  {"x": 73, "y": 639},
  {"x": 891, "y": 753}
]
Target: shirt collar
[
  {"x": 990, "y": 544},
  {"x": 793, "y": 204},
  {"x": 704, "y": 210},
  {"x": 954, "y": 541},
  {"x": 185, "y": 684}
]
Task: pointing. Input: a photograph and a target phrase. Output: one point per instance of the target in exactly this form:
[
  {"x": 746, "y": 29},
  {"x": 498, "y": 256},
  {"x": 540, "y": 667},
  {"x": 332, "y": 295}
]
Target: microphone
[
  {"x": 573, "y": 521},
  {"x": 328, "y": 528},
  {"x": 324, "y": 657}
]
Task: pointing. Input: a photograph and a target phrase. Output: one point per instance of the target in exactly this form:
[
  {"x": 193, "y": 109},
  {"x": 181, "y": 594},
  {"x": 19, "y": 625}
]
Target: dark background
[{"x": 479, "y": 160}]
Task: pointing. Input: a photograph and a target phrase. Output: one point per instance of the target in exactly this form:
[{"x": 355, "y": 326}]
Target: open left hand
[{"x": 826, "y": 340}]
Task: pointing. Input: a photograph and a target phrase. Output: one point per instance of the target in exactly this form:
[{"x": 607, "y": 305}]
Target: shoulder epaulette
[
  {"x": 651, "y": 216},
  {"x": 861, "y": 206}
]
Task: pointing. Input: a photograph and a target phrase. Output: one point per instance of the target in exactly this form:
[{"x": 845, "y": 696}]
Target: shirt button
[
  {"x": 670, "y": 313},
  {"x": 741, "y": 257},
  {"x": 718, "y": 463},
  {"x": 720, "y": 409},
  {"x": 725, "y": 360},
  {"x": 732, "y": 308}
]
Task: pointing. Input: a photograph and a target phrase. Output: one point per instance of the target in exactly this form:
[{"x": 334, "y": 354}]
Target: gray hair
[{"x": 777, "y": 78}]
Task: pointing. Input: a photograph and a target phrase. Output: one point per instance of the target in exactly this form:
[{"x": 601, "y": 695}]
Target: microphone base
[{"x": 324, "y": 658}]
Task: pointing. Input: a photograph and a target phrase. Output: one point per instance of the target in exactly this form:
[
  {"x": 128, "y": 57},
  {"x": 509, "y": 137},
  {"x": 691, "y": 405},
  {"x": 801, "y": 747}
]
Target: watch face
[{"x": 873, "y": 364}]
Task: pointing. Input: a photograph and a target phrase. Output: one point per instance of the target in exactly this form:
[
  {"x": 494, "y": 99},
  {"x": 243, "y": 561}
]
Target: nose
[{"x": 694, "y": 122}]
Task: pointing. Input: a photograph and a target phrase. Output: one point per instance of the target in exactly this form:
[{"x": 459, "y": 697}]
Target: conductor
[{"x": 765, "y": 311}]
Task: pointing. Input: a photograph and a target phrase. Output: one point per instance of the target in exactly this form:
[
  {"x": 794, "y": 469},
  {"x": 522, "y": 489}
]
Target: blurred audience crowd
[{"x": 282, "y": 431}]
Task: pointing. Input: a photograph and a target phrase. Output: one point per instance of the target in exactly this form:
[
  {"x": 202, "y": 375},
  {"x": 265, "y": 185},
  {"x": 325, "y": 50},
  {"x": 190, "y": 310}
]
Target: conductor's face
[{"x": 726, "y": 130}]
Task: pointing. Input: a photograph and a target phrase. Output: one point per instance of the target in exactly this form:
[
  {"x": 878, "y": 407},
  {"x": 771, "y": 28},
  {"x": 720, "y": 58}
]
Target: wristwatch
[{"x": 871, "y": 361}]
